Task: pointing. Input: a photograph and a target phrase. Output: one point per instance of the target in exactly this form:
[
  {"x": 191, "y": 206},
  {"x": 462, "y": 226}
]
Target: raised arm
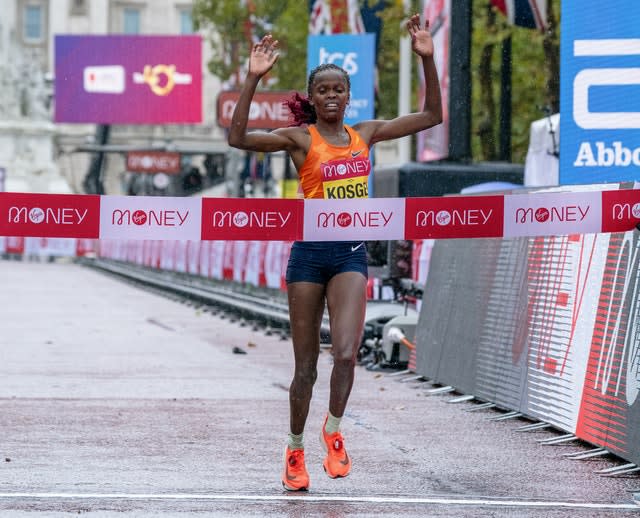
[
  {"x": 431, "y": 114},
  {"x": 263, "y": 56}
]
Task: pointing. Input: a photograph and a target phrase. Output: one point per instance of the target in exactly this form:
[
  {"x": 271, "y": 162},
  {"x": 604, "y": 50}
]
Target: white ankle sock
[
  {"x": 333, "y": 424},
  {"x": 296, "y": 442}
]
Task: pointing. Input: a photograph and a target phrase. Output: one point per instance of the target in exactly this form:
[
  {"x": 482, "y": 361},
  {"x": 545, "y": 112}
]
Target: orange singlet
[{"x": 332, "y": 172}]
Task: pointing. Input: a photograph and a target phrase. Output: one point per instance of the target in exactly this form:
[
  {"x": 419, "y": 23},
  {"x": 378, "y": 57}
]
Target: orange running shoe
[
  {"x": 294, "y": 475},
  {"x": 337, "y": 462}
]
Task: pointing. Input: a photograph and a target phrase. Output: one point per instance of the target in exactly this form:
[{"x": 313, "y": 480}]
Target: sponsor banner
[
  {"x": 599, "y": 92},
  {"x": 254, "y": 267},
  {"x": 454, "y": 217},
  {"x": 359, "y": 219},
  {"x": 193, "y": 257},
  {"x": 556, "y": 214},
  {"x": 49, "y": 215},
  {"x": 51, "y": 247},
  {"x": 128, "y": 79},
  {"x": 620, "y": 210},
  {"x": 275, "y": 219},
  {"x": 433, "y": 144},
  {"x": 150, "y": 217},
  {"x": 216, "y": 259},
  {"x": 14, "y": 245},
  {"x": 273, "y": 264},
  {"x": 251, "y": 219},
  {"x": 355, "y": 53},
  {"x": 267, "y": 110},
  {"x": 153, "y": 162}
]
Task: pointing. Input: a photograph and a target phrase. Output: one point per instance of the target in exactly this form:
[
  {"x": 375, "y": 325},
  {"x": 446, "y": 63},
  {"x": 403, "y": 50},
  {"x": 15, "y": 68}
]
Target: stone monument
[{"x": 27, "y": 133}]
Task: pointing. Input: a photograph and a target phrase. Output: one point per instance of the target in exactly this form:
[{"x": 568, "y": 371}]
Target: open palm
[
  {"x": 263, "y": 55},
  {"x": 421, "y": 41}
]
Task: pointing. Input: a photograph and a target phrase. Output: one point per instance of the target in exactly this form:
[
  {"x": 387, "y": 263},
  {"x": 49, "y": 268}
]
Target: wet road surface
[{"x": 116, "y": 401}]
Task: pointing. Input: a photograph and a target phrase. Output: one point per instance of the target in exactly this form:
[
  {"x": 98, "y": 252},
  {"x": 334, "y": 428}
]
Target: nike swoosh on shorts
[{"x": 354, "y": 248}]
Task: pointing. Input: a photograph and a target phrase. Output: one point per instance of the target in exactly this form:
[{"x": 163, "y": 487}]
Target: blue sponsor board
[
  {"x": 356, "y": 54},
  {"x": 600, "y": 91}
]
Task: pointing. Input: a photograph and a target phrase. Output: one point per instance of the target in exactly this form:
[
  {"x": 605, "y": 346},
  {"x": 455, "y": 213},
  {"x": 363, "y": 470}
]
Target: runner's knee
[{"x": 306, "y": 375}]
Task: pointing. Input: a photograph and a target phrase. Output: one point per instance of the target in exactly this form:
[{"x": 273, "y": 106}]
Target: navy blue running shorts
[{"x": 318, "y": 261}]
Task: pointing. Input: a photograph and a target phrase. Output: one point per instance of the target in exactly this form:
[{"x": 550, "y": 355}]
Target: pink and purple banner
[{"x": 122, "y": 79}]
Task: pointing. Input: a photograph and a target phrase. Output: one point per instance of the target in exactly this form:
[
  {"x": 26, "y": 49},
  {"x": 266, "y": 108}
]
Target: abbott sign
[{"x": 600, "y": 93}]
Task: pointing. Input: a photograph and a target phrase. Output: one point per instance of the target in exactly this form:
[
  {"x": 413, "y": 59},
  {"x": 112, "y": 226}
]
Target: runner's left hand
[{"x": 421, "y": 41}]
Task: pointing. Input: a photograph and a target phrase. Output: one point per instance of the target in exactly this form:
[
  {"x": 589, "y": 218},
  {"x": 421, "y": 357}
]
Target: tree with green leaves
[
  {"x": 535, "y": 78},
  {"x": 230, "y": 25}
]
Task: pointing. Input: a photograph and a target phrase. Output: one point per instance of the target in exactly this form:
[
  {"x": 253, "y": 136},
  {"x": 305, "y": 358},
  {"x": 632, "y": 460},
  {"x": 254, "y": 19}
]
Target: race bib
[{"x": 346, "y": 178}]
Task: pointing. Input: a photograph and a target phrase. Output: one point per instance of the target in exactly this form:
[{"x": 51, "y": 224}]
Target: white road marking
[{"x": 298, "y": 497}]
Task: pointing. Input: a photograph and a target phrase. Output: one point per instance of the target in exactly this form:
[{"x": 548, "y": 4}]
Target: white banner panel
[
  {"x": 358, "y": 220},
  {"x": 54, "y": 247},
  {"x": 557, "y": 214},
  {"x": 150, "y": 217},
  {"x": 273, "y": 263}
]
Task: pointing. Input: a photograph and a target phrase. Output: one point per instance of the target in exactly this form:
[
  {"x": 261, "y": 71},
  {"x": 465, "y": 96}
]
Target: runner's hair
[{"x": 302, "y": 111}]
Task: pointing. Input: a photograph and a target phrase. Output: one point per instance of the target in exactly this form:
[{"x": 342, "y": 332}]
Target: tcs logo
[
  {"x": 348, "y": 60},
  {"x": 589, "y": 77}
]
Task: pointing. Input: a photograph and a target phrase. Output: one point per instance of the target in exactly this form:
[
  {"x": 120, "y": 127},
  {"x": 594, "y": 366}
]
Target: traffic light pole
[{"x": 460, "y": 82}]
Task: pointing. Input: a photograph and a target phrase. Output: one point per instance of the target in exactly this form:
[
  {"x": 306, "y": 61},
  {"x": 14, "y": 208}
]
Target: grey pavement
[{"x": 117, "y": 401}]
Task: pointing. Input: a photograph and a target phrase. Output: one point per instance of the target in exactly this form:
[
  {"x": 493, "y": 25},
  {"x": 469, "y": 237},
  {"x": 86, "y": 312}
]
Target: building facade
[{"x": 40, "y": 156}]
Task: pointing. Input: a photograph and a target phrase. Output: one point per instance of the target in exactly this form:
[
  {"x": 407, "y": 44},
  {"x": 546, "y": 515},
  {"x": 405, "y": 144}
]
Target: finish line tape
[{"x": 271, "y": 219}]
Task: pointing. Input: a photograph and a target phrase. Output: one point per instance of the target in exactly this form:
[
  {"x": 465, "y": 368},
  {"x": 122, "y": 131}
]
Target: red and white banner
[
  {"x": 356, "y": 220},
  {"x": 153, "y": 162},
  {"x": 263, "y": 219},
  {"x": 461, "y": 217},
  {"x": 150, "y": 217},
  {"x": 49, "y": 215},
  {"x": 553, "y": 214},
  {"x": 595, "y": 209}
]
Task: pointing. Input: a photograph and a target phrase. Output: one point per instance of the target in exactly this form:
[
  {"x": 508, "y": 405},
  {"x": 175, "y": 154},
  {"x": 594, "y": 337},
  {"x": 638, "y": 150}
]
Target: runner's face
[{"x": 330, "y": 95}]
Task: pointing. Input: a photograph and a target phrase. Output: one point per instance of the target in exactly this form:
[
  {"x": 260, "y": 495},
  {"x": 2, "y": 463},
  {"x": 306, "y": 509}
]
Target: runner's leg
[
  {"x": 306, "y": 307},
  {"x": 347, "y": 303}
]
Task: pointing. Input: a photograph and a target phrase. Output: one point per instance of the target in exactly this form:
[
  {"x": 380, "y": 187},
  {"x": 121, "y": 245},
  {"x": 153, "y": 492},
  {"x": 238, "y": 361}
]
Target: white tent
[{"x": 541, "y": 167}]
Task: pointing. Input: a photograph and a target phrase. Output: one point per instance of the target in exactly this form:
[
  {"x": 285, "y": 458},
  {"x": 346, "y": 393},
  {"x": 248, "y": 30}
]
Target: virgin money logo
[
  {"x": 268, "y": 219},
  {"x": 250, "y": 219},
  {"x": 454, "y": 217},
  {"x": 542, "y": 215},
  {"x": 359, "y": 219},
  {"x": 139, "y": 217},
  {"x": 50, "y": 215},
  {"x": 36, "y": 215},
  {"x": 625, "y": 211},
  {"x": 458, "y": 217},
  {"x": 443, "y": 218},
  {"x": 151, "y": 218},
  {"x": 241, "y": 219},
  {"x": 345, "y": 168},
  {"x": 555, "y": 214},
  {"x": 344, "y": 219}
]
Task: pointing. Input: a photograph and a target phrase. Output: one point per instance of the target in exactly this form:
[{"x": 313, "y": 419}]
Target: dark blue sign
[
  {"x": 600, "y": 92},
  {"x": 356, "y": 54}
]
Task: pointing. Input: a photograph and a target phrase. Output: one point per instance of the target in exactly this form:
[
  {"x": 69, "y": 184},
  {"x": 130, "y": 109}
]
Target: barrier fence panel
[
  {"x": 501, "y": 360},
  {"x": 552, "y": 332}
]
